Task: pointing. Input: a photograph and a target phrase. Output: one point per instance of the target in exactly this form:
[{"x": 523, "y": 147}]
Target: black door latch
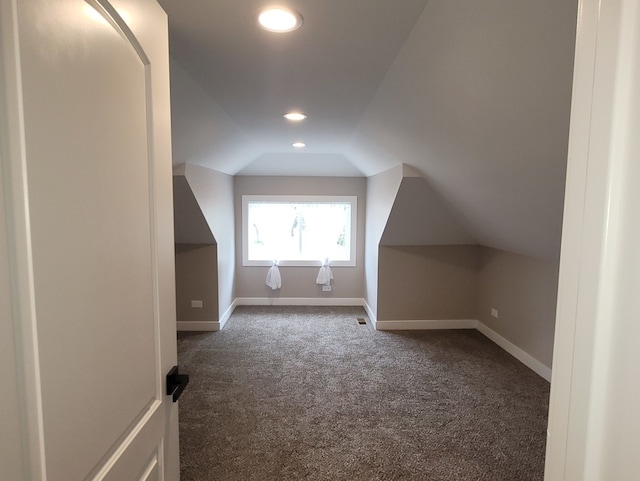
[{"x": 176, "y": 383}]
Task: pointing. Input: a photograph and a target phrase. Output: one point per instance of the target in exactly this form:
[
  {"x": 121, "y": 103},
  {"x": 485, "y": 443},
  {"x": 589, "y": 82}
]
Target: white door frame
[{"x": 593, "y": 389}]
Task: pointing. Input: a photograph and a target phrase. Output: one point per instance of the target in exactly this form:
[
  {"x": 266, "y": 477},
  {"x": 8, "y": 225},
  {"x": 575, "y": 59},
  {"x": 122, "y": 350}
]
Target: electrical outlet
[
  {"x": 197, "y": 304},
  {"x": 326, "y": 288},
  {"x": 494, "y": 312}
]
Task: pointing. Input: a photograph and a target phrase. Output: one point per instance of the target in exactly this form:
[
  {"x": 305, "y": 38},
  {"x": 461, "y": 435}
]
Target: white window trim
[{"x": 319, "y": 199}]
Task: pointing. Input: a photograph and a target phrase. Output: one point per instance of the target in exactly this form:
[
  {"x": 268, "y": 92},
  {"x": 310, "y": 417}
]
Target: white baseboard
[
  {"x": 505, "y": 344},
  {"x": 227, "y": 314},
  {"x": 370, "y": 314},
  {"x": 264, "y": 301},
  {"x": 516, "y": 352},
  {"x": 198, "y": 325},
  {"x": 522, "y": 356},
  {"x": 299, "y": 301},
  {"x": 426, "y": 324}
]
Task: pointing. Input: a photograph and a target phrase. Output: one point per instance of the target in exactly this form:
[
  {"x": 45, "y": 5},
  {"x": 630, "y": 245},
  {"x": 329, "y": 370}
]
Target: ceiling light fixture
[
  {"x": 295, "y": 116},
  {"x": 299, "y": 145},
  {"x": 279, "y": 19}
]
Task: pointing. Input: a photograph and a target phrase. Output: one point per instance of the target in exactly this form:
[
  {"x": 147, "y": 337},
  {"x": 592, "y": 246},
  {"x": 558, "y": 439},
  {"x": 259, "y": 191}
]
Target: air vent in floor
[{"x": 361, "y": 320}]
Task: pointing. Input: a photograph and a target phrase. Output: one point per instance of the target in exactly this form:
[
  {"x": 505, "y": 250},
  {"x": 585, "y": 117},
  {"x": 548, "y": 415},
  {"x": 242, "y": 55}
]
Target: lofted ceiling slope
[
  {"x": 474, "y": 94},
  {"x": 478, "y": 101},
  {"x": 329, "y": 68}
]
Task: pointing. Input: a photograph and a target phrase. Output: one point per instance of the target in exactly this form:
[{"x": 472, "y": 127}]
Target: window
[{"x": 298, "y": 230}]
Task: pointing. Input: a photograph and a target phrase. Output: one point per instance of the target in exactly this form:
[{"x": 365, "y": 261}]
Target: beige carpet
[{"x": 306, "y": 393}]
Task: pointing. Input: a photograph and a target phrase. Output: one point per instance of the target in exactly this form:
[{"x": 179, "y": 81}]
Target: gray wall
[
  {"x": 214, "y": 193},
  {"x": 196, "y": 279},
  {"x": 523, "y": 290},
  {"x": 420, "y": 216},
  {"x": 300, "y": 281},
  {"x": 199, "y": 127},
  {"x": 466, "y": 282},
  {"x": 381, "y": 193},
  {"x": 190, "y": 226},
  {"x": 427, "y": 282}
]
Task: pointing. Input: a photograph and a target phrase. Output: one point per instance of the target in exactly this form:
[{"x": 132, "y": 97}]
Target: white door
[{"x": 86, "y": 242}]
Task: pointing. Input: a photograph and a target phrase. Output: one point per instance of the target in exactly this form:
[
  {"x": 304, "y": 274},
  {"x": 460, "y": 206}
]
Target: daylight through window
[{"x": 300, "y": 230}]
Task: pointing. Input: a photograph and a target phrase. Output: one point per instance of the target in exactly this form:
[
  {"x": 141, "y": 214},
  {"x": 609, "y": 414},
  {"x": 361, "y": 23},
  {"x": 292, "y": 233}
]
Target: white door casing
[
  {"x": 88, "y": 239},
  {"x": 594, "y": 427}
]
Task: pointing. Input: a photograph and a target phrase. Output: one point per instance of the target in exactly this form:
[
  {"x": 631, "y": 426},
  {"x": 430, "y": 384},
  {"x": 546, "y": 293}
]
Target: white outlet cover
[
  {"x": 494, "y": 313},
  {"x": 197, "y": 304}
]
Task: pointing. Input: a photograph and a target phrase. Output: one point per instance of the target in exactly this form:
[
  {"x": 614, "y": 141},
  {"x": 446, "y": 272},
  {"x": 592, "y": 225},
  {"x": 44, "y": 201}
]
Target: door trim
[{"x": 14, "y": 177}]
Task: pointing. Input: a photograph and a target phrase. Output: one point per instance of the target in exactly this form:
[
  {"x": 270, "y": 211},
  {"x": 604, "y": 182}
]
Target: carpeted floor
[{"x": 306, "y": 393}]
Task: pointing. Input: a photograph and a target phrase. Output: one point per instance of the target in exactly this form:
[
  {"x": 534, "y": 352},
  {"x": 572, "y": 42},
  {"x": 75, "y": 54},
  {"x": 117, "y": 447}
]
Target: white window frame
[{"x": 315, "y": 199}]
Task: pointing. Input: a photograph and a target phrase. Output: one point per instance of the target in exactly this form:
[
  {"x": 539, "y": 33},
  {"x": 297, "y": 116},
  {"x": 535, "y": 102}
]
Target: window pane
[{"x": 304, "y": 231}]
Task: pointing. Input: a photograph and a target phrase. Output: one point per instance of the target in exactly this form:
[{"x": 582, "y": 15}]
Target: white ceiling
[
  {"x": 329, "y": 68},
  {"x": 473, "y": 94}
]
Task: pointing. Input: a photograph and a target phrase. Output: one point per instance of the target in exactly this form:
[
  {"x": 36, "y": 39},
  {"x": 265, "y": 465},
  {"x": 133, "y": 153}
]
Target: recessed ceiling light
[
  {"x": 295, "y": 116},
  {"x": 299, "y": 145},
  {"x": 279, "y": 19}
]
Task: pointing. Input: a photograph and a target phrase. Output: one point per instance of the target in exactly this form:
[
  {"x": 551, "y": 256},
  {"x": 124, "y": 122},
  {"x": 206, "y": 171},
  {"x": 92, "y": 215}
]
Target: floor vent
[{"x": 361, "y": 320}]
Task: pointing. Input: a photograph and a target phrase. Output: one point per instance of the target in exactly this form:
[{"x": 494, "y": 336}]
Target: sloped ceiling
[
  {"x": 478, "y": 102},
  {"x": 329, "y": 68},
  {"x": 473, "y": 94}
]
